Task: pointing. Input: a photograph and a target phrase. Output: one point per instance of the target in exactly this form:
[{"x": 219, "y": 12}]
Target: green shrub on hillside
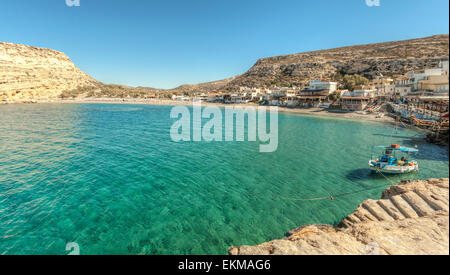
[{"x": 350, "y": 81}]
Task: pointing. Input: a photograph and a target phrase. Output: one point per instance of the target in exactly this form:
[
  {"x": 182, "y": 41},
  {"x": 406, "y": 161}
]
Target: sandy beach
[{"x": 301, "y": 111}]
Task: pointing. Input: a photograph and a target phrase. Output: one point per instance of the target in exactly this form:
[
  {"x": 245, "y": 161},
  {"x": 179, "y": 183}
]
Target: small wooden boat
[
  {"x": 422, "y": 122},
  {"x": 394, "y": 159}
]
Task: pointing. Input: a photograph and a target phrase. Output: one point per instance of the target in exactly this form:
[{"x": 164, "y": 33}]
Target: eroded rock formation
[
  {"x": 30, "y": 73},
  {"x": 410, "y": 218}
]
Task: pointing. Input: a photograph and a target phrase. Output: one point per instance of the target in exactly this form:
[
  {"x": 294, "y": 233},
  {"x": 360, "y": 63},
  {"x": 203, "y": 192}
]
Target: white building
[
  {"x": 214, "y": 97},
  {"x": 317, "y": 84},
  {"x": 180, "y": 98},
  {"x": 365, "y": 93},
  {"x": 360, "y": 93},
  {"x": 278, "y": 93},
  {"x": 402, "y": 90},
  {"x": 238, "y": 98},
  {"x": 413, "y": 78},
  {"x": 444, "y": 66},
  {"x": 256, "y": 96},
  {"x": 389, "y": 90},
  {"x": 291, "y": 93}
]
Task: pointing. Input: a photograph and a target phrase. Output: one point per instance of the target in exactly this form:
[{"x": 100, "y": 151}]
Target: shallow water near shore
[{"x": 110, "y": 178}]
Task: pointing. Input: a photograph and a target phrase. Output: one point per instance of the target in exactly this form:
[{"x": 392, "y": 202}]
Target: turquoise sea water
[{"x": 109, "y": 178}]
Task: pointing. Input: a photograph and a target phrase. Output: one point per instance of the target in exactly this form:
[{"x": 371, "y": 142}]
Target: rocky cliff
[
  {"x": 35, "y": 73},
  {"x": 389, "y": 59},
  {"x": 410, "y": 218},
  {"x": 30, "y": 73}
]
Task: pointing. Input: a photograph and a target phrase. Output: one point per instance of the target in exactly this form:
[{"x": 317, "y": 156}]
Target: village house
[
  {"x": 402, "y": 90},
  {"x": 238, "y": 99},
  {"x": 389, "y": 90},
  {"x": 317, "y": 84},
  {"x": 276, "y": 97},
  {"x": 358, "y": 99},
  {"x": 290, "y": 99},
  {"x": 341, "y": 91},
  {"x": 257, "y": 96},
  {"x": 312, "y": 97},
  {"x": 434, "y": 84},
  {"x": 371, "y": 93},
  {"x": 215, "y": 98},
  {"x": 180, "y": 98},
  {"x": 354, "y": 103},
  {"x": 381, "y": 85},
  {"x": 316, "y": 93},
  {"x": 386, "y": 93},
  {"x": 430, "y": 82},
  {"x": 414, "y": 79},
  {"x": 200, "y": 98},
  {"x": 361, "y": 91}
]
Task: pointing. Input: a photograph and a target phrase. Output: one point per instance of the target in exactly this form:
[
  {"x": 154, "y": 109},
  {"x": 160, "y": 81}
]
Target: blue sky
[{"x": 166, "y": 43}]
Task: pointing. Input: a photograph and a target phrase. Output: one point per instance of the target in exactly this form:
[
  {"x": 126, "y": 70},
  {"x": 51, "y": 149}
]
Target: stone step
[
  {"x": 390, "y": 208},
  {"x": 364, "y": 215},
  {"x": 345, "y": 223},
  {"x": 377, "y": 211},
  {"x": 353, "y": 218},
  {"x": 404, "y": 207},
  {"x": 437, "y": 202},
  {"x": 419, "y": 205},
  {"x": 444, "y": 197}
]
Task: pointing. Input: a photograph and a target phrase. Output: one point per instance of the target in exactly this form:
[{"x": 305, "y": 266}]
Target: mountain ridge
[
  {"x": 392, "y": 58},
  {"x": 28, "y": 72}
]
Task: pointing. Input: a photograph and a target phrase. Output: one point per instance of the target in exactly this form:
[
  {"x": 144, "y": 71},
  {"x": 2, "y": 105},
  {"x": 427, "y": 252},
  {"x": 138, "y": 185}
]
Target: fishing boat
[
  {"x": 325, "y": 105},
  {"x": 394, "y": 159}
]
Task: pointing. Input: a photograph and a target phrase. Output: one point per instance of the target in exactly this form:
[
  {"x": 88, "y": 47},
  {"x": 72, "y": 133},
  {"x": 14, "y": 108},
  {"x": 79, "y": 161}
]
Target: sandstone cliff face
[
  {"x": 411, "y": 218},
  {"x": 30, "y": 73},
  {"x": 389, "y": 59}
]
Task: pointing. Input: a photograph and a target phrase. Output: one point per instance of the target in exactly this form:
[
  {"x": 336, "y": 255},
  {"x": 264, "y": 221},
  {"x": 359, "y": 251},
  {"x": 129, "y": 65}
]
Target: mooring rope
[
  {"x": 378, "y": 170},
  {"x": 332, "y": 197}
]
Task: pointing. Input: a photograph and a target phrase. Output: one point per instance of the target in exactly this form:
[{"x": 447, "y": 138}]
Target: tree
[{"x": 351, "y": 81}]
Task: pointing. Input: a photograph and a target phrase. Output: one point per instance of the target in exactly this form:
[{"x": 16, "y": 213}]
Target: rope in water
[
  {"x": 332, "y": 197},
  {"x": 391, "y": 183}
]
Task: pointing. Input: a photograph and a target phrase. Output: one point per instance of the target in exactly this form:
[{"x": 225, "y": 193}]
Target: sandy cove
[{"x": 300, "y": 111}]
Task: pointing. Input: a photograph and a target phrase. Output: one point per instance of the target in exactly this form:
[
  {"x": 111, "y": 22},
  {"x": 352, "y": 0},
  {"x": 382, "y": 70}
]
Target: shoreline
[
  {"x": 319, "y": 112},
  {"x": 410, "y": 218}
]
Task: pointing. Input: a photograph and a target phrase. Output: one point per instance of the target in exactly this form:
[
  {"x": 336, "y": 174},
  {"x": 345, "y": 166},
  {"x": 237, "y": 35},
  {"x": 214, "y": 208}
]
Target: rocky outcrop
[
  {"x": 410, "y": 218},
  {"x": 390, "y": 59},
  {"x": 203, "y": 87},
  {"x": 30, "y": 73}
]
